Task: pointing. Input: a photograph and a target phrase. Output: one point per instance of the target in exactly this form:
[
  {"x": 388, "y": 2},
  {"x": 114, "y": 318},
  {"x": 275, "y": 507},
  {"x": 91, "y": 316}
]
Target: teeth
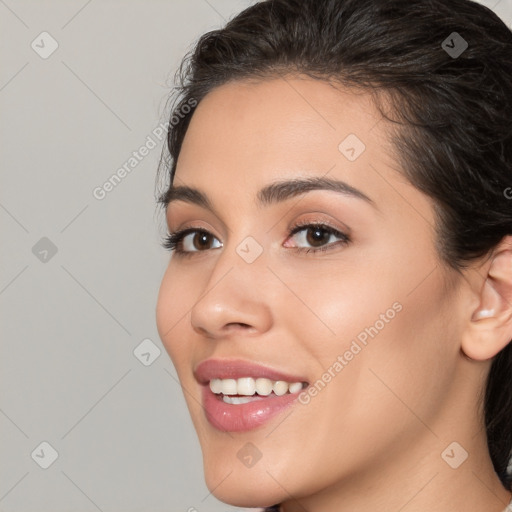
[
  {"x": 237, "y": 400},
  {"x": 248, "y": 386},
  {"x": 216, "y": 386},
  {"x": 296, "y": 386},
  {"x": 263, "y": 386},
  {"x": 280, "y": 387}
]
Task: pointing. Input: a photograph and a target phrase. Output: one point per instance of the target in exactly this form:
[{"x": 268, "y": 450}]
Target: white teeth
[
  {"x": 216, "y": 386},
  {"x": 237, "y": 400},
  {"x": 246, "y": 386},
  {"x": 229, "y": 387},
  {"x": 296, "y": 386},
  {"x": 280, "y": 387},
  {"x": 249, "y": 386},
  {"x": 263, "y": 386}
]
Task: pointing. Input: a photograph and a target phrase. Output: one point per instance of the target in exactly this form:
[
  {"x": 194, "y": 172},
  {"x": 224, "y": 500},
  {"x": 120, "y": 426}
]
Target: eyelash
[{"x": 173, "y": 241}]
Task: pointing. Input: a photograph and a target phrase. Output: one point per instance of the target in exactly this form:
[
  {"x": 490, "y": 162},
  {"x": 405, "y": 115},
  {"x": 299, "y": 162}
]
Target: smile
[{"x": 241, "y": 395}]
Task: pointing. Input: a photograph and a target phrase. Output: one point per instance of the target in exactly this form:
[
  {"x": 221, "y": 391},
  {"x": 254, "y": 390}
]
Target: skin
[{"x": 372, "y": 439}]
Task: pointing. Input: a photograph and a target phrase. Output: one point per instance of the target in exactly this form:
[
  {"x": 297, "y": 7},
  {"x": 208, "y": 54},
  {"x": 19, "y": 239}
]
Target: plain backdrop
[{"x": 87, "y": 389}]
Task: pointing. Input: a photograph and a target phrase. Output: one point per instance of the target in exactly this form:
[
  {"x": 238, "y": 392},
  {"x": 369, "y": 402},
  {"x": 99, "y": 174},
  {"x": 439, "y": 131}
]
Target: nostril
[{"x": 247, "y": 329}]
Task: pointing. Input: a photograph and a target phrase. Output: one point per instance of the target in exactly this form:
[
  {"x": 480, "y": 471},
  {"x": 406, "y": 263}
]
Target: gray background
[{"x": 70, "y": 321}]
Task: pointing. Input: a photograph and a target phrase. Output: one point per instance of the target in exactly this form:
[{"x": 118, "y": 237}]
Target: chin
[
  {"x": 241, "y": 487},
  {"x": 248, "y": 495}
]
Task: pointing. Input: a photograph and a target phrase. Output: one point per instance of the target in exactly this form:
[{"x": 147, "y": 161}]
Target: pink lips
[{"x": 241, "y": 417}]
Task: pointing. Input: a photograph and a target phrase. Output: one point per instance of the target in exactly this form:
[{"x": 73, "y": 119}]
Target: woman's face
[{"x": 367, "y": 322}]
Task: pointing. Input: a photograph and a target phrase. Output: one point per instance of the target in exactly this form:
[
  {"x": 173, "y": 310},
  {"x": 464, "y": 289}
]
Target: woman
[{"x": 338, "y": 304}]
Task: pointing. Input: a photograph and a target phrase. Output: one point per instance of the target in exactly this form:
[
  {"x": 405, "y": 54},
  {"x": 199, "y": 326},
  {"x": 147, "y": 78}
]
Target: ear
[{"x": 490, "y": 327}]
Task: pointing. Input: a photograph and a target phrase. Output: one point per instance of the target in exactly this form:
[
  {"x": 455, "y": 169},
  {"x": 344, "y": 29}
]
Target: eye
[
  {"x": 193, "y": 240},
  {"x": 318, "y": 236},
  {"x": 188, "y": 241}
]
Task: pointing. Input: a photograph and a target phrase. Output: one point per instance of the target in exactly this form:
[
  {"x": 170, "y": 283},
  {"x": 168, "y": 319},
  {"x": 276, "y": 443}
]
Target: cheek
[
  {"x": 173, "y": 315},
  {"x": 390, "y": 318},
  {"x": 335, "y": 303},
  {"x": 399, "y": 347}
]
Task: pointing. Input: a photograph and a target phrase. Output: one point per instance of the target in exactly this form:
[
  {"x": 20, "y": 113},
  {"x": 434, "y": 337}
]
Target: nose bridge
[
  {"x": 242, "y": 258},
  {"x": 234, "y": 293}
]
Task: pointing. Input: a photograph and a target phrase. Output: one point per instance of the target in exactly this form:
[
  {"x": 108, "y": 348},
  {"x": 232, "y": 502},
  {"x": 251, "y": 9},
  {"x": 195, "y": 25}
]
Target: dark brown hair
[{"x": 452, "y": 104}]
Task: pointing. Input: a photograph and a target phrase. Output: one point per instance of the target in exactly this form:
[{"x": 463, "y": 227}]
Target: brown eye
[
  {"x": 317, "y": 236},
  {"x": 197, "y": 240},
  {"x": 201, "y": 240},
  {"x": 189, "y": 241}
]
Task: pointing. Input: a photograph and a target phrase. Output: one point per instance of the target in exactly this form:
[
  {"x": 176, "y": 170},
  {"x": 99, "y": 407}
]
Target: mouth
[{"x": 240, "y": 395}]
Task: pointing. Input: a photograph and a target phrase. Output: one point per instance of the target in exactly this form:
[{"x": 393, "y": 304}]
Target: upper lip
[{"x": 236, "y": 368}]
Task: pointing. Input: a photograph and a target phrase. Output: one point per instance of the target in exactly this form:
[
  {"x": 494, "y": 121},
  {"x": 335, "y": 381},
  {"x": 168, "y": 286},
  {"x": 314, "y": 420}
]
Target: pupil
[
  {"x": 203, "y": 237},
  {"x": 318, "y": 237}
]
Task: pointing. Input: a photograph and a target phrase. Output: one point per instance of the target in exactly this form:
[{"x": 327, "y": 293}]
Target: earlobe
[{"x": 490, "y": 326}]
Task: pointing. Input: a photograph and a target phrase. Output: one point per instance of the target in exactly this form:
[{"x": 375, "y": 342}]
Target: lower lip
[{"x": 243, "y": 417}]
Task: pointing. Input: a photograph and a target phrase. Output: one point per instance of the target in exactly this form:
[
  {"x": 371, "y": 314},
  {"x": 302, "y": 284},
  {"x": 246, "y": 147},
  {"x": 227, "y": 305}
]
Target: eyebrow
[{"x": 274, "y": 193}]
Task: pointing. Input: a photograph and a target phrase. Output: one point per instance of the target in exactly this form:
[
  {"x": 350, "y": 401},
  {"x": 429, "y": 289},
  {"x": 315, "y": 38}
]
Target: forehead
[{"x": 269, "y": 128}]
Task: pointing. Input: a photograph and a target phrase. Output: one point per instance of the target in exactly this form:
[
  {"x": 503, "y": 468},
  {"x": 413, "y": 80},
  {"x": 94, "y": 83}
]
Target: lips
[{"x": 240, "y": 417}]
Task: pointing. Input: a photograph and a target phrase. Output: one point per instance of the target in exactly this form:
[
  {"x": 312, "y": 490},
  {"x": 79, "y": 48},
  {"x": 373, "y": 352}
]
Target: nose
[{"x": 234, "y": 299}]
